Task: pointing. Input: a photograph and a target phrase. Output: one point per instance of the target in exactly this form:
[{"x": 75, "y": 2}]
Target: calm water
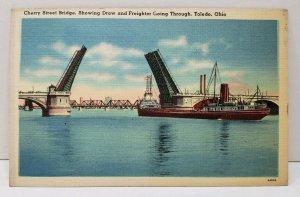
[{"x": 119, "y": 143}]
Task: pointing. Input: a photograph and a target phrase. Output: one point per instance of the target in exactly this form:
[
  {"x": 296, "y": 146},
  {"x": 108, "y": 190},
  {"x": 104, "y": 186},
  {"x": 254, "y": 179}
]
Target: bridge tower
[
  {"x": 166, "y": 84},
  {"x": 148, "y": 92},
  {"x": 58, "y": 97}
]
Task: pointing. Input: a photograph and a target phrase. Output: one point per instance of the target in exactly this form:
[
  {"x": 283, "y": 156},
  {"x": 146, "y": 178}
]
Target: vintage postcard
[{"x": 148, "y": 97}]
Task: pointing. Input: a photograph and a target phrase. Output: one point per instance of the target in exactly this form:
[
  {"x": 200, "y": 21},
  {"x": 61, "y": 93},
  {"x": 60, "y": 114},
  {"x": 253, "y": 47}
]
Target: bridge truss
[
  {"x": 118, "y": 104},
  {"x": 67, "y": 79}
]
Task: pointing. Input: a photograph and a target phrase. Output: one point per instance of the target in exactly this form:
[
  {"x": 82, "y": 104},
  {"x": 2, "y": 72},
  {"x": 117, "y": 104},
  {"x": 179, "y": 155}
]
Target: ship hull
[{"x": 255, "y": 114}]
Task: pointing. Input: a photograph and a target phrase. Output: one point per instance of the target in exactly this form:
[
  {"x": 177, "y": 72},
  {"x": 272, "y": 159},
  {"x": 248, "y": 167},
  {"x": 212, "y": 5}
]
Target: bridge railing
[
  {"x": 32, "y": 92},
  {"x": 60, "y": 93}
]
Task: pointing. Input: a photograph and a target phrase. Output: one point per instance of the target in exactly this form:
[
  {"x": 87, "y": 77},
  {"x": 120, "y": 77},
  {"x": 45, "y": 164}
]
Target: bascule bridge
[
  {"x": 56, "y": 101},
  {"x": 166, "y": 84}
]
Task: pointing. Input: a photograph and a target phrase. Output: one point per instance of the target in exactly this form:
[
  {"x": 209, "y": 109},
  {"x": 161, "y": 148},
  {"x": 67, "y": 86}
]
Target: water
[{"x": 119, "y": 143}]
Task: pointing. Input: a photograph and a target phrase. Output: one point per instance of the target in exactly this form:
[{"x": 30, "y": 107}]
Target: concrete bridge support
[{"x": 58, "y": 102}]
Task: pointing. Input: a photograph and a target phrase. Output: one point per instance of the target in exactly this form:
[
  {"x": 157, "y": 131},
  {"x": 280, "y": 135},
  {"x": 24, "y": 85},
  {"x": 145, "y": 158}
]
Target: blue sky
[{"x": 114, "y": 65}]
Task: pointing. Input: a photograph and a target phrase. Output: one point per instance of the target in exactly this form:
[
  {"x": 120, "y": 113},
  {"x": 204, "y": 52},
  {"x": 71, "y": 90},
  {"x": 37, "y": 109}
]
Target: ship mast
[
  {"x": 215, "y": 81},
  {"x": 213, "y": 78},
  {"x": 256, "y": 94}
]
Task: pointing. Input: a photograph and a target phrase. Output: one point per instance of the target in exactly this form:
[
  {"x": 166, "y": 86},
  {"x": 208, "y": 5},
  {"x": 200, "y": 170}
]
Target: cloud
[
  {"x": 103, "y": 54},
  {"x": 194, "y": 65},
  {"x": 99, "y": 77},
  {"x": 110, "y": 62},
  {"x": 126, "y": 65},
  {"x": 108, "y": 55},
  {"x": 203, "y": 47},
  {"x": 134, "y": 78},
  {"x": 58, "y": 46},
  {"x": 234, "y": 75},
  {"x": 105, "y": 63},
  {"x": 50, "y": 60},
  {"x": 179, "y": 42},
  {"x": 223, "y": 42},
  {"x": 109, "y": 51},
  {"x": 175, "y": 61},
  {"x": 61, "y": 48},
  {"x": 43, "y": 73},
  {"x": 104, "y": 50}
]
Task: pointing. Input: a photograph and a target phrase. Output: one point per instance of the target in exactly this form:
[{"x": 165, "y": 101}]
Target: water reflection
[
  {"x": 224, "y": 137},
  {"x": 61, "y": 144},
  {"x": 163, "y": 147},
  {"x": 223, "y": 147}
]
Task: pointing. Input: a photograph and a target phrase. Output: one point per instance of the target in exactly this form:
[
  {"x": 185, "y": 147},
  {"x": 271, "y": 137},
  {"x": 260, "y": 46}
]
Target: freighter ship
[{"x": 209, "y": 107}]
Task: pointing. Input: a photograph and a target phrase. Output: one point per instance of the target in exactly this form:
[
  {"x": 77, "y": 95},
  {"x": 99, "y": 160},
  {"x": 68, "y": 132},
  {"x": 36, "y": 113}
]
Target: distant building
[{"x": 107, "y": 100}]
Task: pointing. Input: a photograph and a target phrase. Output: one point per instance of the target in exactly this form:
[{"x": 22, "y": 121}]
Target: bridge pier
[
  {"x": 28, "y": 105},
  {"x": 44, "y": 112},
  {"x": 58, "y": 103},
  {"x": 57, "y": 112}
]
